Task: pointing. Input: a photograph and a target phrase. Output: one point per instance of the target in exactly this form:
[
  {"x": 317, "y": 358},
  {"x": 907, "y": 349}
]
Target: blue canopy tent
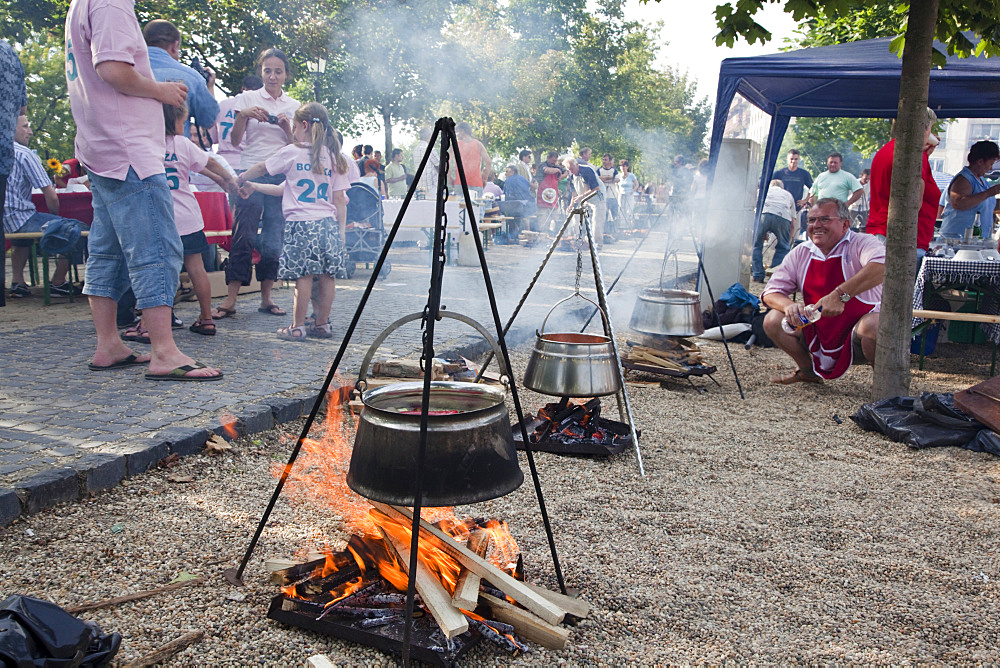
[{"x": 859, "y": 79}]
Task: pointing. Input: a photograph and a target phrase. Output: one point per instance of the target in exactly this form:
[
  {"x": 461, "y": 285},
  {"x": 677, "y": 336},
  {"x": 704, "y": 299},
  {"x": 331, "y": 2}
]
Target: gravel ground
[{"x": 764, "y": 532}]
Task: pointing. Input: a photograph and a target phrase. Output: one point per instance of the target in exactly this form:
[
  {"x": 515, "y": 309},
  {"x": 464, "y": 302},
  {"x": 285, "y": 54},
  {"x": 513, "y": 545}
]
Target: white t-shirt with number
[
  {"x": 181, "y": 158},
  {"x": 307, "y": 196},
  {"x": 224, "y": 131}
]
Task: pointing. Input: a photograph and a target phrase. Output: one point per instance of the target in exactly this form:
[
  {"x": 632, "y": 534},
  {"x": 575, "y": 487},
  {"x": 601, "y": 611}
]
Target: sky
[{"x": 689, "y": 37}]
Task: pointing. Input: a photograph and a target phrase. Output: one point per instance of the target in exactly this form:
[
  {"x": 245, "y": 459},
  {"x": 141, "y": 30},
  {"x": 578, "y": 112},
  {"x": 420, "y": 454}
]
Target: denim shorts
[
  {"x": 133, "y": 240},
  {"x": 35, "y": 224},
  {"x": 194, "y": 243}
]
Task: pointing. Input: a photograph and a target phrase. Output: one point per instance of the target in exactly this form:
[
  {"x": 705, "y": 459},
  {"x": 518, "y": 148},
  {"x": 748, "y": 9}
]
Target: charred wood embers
[{"x": 569, "y": 427}]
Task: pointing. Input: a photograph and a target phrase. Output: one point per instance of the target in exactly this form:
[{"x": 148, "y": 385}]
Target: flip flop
[
  {"x": 221, "y": 312},
  {"x": 137, "y": 334},
  {"x": 180, "y": 373},
  {"x": 798, "y": 376},
  {"x": 273, "y": 309},
  {"x": 131, "y": 360}
]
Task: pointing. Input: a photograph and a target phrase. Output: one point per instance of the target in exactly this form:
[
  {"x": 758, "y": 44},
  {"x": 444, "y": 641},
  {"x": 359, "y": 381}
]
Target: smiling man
[{"x": 839, "y": 271}]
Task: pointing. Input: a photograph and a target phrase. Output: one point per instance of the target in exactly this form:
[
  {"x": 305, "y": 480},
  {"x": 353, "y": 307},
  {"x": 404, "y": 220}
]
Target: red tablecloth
[
  {"x": 214, "y": 209},
  {"x": 71, "y": 205}
]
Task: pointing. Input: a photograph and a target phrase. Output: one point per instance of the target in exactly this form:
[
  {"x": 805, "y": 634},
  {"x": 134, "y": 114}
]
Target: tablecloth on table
[{"x": 938, "y": 271}]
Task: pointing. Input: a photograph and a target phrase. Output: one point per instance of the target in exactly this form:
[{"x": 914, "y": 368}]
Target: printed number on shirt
[
  {"x": 71, "y": 72},
  {"x": 310, "y": 186},
  {"x": 226, "y": 127},
  {"x": 173, "y": 180}
]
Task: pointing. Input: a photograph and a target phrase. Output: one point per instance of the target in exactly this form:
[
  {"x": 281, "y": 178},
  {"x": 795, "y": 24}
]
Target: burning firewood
[
  {"x": 433, "y": 593},
  {"x": 467, "y": 590},
  {"x": 527, "y": 625},
  {"x": 539, "y": 605}
]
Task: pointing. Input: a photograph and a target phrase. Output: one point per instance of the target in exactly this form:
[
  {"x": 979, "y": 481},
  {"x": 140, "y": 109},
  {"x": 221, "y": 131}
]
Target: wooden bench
[
  {"x": 931, "y": 316},
  {"x": 46, "y": 293},
  {"x": 33, "y": 261}
]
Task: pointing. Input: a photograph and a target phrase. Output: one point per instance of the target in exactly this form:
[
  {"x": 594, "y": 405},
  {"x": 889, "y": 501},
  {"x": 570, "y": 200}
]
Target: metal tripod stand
[
  {"x": 445, "y": 130},
  {"x": 624, "y": 403}
]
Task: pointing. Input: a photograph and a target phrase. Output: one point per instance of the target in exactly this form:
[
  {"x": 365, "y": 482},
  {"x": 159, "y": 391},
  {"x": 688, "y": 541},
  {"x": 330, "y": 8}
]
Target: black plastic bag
[
  {"x": 986, "y": 441},
  {"x": 36, "y": 633},
  {"x": 925, "y": 422}
]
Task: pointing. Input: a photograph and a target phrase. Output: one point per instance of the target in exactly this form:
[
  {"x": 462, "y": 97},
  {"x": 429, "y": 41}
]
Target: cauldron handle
[
  {"x": 361, "y": 383},
  {"x": 677, "y": 268},
  {"x": 604, "y": 316}
]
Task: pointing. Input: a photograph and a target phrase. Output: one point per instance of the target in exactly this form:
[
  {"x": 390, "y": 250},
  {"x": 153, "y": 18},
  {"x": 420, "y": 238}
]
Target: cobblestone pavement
[{"x": 66, "y": 431}]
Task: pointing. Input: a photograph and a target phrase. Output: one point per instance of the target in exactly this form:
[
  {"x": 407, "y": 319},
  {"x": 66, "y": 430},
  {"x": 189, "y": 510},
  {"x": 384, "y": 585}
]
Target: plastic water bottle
[{"x": 811, "y": 314}]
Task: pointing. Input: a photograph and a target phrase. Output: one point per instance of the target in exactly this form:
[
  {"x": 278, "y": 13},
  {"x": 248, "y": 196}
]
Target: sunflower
[{"x": 54, "y": 165}]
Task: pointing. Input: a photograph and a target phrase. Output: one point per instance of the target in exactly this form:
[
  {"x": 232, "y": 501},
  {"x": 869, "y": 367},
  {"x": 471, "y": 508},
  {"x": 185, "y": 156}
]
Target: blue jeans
[
  {"x": 35, "y": 224},
  {"x": 781, "y": 229},
  {"x": 263, "y": 211},
  {"x": 133, "y": 240}
]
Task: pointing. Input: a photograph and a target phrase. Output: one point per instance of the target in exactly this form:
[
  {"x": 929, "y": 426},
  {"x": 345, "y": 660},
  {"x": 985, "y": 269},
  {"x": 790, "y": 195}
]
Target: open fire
[{"x": 469, "y": 577}]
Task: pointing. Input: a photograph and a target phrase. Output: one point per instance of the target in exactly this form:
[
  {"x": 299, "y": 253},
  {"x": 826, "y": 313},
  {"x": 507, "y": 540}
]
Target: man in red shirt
[{"x": 881, "y": 180}]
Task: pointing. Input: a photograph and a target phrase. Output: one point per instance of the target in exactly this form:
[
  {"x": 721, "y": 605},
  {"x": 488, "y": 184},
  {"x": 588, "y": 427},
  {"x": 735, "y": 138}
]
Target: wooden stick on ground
[
  {"x": 433, "y": 593},
  {"x": 168, "y": 650},
  {"x": 466, "y": 594},
  {"x": 118, "y": 600},
  {"x": 574, "y": 606},
  {"x": 541, "y": 606},
  {"x": 527, "y": 625}
]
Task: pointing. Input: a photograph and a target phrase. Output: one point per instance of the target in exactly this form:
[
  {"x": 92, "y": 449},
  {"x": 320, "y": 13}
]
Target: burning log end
[
  {"x": 494, "y": 636},
  {"x": 434, "y": 595}
]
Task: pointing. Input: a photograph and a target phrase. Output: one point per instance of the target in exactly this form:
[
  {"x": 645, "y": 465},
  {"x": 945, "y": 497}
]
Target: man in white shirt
[{"x": 776, "y": 217}]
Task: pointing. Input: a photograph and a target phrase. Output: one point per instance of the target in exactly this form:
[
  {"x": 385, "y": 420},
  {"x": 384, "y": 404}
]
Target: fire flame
[
  {"x": 228, "y": 422},
  {"x": 319, "y": 478}
]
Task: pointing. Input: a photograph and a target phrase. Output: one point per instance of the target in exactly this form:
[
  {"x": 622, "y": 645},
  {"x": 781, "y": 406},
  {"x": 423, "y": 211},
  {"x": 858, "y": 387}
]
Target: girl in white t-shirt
[
  {"x": 315, "y": 211},
  {"x": 183, "y": 157}
]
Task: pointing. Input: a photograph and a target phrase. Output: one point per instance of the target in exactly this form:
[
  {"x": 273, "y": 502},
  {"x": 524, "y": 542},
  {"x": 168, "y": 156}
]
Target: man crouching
[{"x": 840, "y": 272}]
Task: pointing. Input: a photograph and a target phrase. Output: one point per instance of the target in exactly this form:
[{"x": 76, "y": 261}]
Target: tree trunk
[
  {"x": 387, "y": 124},
  {"x": 892, "y": 354}
]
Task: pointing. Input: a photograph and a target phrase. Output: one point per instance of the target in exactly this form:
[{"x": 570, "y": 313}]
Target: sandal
[
  {"x": 321, "y": 331},
  {"x": 273, "y": 309},
  {"x": 206, "y": 327},
  {"x": 292, "y": 334},
  {"x": 137, "y": 334},
  {"x": 221, "y": 312}
]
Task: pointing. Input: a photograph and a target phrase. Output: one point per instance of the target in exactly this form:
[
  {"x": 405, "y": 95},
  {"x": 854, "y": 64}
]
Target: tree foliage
[
  {"x": 49, "y": 114},
  {"x": 589, "y": 80}
]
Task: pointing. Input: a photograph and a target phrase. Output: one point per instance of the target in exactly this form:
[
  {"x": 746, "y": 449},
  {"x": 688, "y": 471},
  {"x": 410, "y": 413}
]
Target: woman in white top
[{"x": 262, "y": 127}]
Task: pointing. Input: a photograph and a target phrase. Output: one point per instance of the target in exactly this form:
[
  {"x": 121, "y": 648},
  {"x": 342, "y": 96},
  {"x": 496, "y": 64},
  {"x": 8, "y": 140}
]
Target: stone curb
[{"x": 102, "y": 471}]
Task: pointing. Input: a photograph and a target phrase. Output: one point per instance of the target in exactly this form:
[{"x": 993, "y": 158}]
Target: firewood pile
[
  {"x": 665, "y": 355},
  {"x": 358, "y": 594},
  {"x": 401, "y": 370}
]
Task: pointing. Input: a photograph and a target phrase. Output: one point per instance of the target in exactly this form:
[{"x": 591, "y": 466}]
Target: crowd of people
[
  {"x": 281, "y": 163},
  {"x": 284, "y": 168},
  {"x": 840, "y": 265}
]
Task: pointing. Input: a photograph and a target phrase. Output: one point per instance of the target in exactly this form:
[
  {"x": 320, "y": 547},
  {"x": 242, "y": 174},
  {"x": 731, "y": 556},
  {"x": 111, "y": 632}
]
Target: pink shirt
[
  {"x": 224, "y": 131},
  {"x": 262, "y": 140},
  {"x": 855, "y": 250},
  {"x": 113, "y": 131},
  {"x": 181, "y": 158},
  {"x": 307, "y": 196}
]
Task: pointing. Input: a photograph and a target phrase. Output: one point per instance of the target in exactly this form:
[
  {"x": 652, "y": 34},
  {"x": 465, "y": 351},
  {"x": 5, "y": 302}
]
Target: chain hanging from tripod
[{"x": 439, "y": 243}]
